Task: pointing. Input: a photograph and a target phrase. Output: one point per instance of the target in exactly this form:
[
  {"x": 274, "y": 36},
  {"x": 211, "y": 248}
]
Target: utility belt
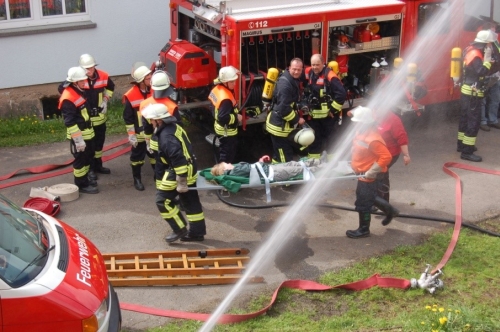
[{"x": 95, "y": 111}]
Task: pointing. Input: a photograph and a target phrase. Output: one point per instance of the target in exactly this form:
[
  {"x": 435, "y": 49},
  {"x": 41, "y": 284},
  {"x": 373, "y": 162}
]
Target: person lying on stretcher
[{"x": 274, "y": 172}]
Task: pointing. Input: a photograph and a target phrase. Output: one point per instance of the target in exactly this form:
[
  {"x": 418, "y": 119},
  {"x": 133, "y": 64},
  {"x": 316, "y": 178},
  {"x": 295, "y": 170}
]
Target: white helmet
[
  {"x": 139, "y": 71},
  {"x": 486, "y": 36},
  {"x": 76, "y": 74},
  {"x": 362, "y": 114},
  {"x": 160, "y": 81},
  {"x": 304, "y": 137},
  {"x": 228, "y": 74},
  {"x": 155, "y": 111},
  {"x": 87, "y": 61}
]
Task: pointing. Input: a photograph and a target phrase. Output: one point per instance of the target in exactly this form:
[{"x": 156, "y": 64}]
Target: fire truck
[{"x": 257, "y": 35}]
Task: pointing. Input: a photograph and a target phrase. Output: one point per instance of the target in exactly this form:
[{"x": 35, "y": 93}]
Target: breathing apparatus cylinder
[
  {"x": 267, "y": 92},
  {"x": 412, "y": 73},
  {"x": 315, "y": 42},
  {"x": 456, "y": 64},
  {"x": 397, "y": 63},
  {"x": 334, "y": 66}
]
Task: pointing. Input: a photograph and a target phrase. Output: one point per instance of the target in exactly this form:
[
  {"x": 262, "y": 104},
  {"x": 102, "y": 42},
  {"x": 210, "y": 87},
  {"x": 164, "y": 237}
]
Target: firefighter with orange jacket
[
  {"x": 284, "y": 116},
  {"x": 99, "y": 89},
  {"x": 325, "y": 99},
  {"x": 226, "y": 113},
  {"x": 134, "y": 124},
  {"x": 371, "y": 157},
  {"x": 477, "y": 64},
  {"x": 75, "y": 111}
]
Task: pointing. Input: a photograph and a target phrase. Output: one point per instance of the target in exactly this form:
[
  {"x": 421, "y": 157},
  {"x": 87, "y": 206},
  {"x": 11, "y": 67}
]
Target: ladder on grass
[{"x": 183, "y": 267}]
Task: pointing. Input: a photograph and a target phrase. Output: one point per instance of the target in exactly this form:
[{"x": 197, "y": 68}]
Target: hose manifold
[{"x": 428, "y": 281}]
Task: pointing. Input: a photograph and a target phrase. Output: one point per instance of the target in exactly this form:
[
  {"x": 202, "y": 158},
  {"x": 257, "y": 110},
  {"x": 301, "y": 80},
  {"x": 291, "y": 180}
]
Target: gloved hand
[
  {"x": 148, "y": 145},
  {"x": 104, "y": 106},
  {"x": 487, "y": 54},
  {"x": 266, "y": 108},
  {"x": 132, "y": 139},
  {"x": 182, "y": 184},
  {"x": 79, "y": 142},
  {"x": 373, "y": 171}
]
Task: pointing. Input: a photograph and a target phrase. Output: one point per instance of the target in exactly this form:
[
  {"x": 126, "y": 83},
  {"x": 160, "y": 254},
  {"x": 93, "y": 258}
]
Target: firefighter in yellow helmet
[
  {"x": 134, "y": 124},
  {"x": 174, "y": 148},
  {"x": 477, "y": 64},
  {"x": 226, "y": 113},
  {"x": 75, "y": 111}
]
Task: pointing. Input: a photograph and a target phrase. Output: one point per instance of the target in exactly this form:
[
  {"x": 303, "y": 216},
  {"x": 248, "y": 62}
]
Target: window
[
  {"x": 436, "y": 15},
  {"x": 32, "y": 13}
]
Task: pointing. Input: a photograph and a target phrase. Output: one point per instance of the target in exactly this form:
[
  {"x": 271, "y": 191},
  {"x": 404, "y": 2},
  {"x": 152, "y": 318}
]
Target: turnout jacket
[
  {"x": 98, "y": 88},
  {"x": 131, "y": 114},
  {"x": 326, "y": 92},
  {"x": 284, "y": 116},
  {"x": 369, "y": 148},
  {"x": 474, "y": 72},
  {"x": 225, "y": 111},
  {"x": 74, "y": 109}
]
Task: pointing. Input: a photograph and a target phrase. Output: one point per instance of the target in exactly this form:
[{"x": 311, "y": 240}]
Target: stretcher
[{"x": 259, "y": 180}]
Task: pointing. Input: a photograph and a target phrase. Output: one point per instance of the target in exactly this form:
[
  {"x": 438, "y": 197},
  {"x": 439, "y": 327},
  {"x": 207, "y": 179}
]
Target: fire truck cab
[{"x": 359, "y": 35}]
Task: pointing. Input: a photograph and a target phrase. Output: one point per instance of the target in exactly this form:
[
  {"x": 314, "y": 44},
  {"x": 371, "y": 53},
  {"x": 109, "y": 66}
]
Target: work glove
[
  {"x": 266, "y": 108},
  {"x": 182, "y": 184},
  {"x": 487, "y": 54},
  {"x": 148, "y": 145},
  {"x": 373, "y": 171},
  {"x": 104, "y": 106},
  {"x": 132, "y": 139},
  {"x": 79, "y": 142}
]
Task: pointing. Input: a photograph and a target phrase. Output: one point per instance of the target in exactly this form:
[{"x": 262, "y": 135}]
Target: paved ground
[{"x": 121, "y": 219}]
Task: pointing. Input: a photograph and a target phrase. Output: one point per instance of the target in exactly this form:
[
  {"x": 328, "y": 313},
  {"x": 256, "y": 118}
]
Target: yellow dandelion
[
  {"x": 443, "y": 320},
  {"x": 434, "y": 305},
  {"x": 441, "y": 309},
  {"x": 428, "y": 307},
  {"x": 457, "y": 311},
  {"x": 22, "y": 119},
  {"x": 422, "y": 323},
  {"x": 434, "y": 330},
  {"x": 434, "y": 310}
]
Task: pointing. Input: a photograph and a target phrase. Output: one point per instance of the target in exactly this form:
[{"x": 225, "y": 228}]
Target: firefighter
[
  {"x": 174, "y": 148},
  {"x": 477, "y": 64},
  {"x": 99, "y": 88},
  {"x": 371, "y": 157},
  {"x": 162, "y": 92},
  {"x": 284, "y": 115},
  {"x": 75, "y": 111},
  {"x": 325, "y": 99},
  {"x": 226, "y": 113},
  {"x": 134, "y": 124}
]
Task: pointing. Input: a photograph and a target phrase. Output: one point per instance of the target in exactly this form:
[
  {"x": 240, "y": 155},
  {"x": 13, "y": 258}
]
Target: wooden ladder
[{"x": 183, "y": 267}]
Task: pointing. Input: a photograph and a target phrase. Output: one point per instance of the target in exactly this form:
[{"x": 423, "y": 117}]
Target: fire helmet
[
  {"x": 363, "y": 115},
  {"x": 160, "y": 81},
  {"x": 76, "y": 74},
  {"x": 155, "y": 112},
  {"x": 87, "y": 61},
  {"x": 304, "y": 137},
  {"x": 139, "y": 71},
  {"x": 486, "y": 36},
  {"x": 228, "y": 74}
]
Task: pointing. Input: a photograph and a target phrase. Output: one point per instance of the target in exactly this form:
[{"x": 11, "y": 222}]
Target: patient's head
[{"x": 220, "y": 168}]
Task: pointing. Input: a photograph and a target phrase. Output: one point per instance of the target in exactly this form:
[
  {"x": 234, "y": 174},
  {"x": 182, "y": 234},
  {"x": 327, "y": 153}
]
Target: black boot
[
  {"x": 99, "y": 168},
  {"x": 389, "y": 211},
  {"x": 364, "y": 227},
  {"x": 92, "y": 175},
  {"x": 176, "y": 235},
  {"x": 136, "y": 173}
]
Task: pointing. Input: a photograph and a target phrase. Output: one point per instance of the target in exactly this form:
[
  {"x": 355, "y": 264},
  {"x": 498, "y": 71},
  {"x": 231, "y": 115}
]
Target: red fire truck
[{"x": 254, "y": 36}]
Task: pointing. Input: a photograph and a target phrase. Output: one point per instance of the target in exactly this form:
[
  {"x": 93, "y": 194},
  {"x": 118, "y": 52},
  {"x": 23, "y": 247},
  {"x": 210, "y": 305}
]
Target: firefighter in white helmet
[
  {"x": 489, "y": 113},
  {"x": 226, "y": 113},
  {"x": 283, "y": 118},
  {"x": 371, "y": 157},
  {"x": 99, "y": 88},
  {"x": 141, "y": 80},
  {"x": 477, "y": 64},
  {"x": 174, "y": 148},
  {"x": 326, "y": 95},
  {"x": 75, "y": 111}
]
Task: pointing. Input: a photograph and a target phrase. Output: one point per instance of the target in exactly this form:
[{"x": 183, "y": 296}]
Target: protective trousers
[
  {"x": 383, "y": 182},
  {"x": 165, "y": 201},
  {"x": 227, "y": 148},
  {"x": 470, "y": 119},
  {"x": 282, "y": 149},
  {"x": 323, "y": 130},
  {"x": 81, "y": 164},
  {"x": 100, "y": 136}
]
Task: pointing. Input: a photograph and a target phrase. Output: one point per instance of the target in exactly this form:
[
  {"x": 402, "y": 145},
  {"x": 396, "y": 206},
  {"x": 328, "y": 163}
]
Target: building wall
[{"x": 126, "y": 31}]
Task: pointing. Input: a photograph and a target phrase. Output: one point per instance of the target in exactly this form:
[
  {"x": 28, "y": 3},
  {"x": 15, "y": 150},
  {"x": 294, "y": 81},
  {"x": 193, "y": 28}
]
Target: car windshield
[{"x": 24, "y": 244}]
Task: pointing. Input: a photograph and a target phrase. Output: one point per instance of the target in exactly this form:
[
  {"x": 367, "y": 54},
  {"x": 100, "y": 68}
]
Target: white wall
[{"x": 127, "y": 31}]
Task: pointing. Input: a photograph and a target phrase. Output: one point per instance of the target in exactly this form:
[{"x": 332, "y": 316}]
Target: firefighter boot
[
  {"x": 136, "y": 173},
  {"x": 99, "y": 168},
  {"x": 178, "y": 232},
  {"x": 364, "y": 227},
  {"x": 389, "y": 211}
]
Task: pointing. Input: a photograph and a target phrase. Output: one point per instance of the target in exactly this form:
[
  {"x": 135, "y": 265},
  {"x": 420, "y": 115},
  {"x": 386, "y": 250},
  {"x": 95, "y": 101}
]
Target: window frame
[{"x": 38, "y": 20}]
